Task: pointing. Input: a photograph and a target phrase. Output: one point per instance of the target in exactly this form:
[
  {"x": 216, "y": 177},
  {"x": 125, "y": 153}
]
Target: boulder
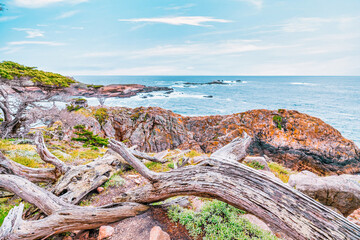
[
  {"x": 341, "y": 192},
  {"x": 105, "y": 232},
  {"x": 157, "y": 233}
]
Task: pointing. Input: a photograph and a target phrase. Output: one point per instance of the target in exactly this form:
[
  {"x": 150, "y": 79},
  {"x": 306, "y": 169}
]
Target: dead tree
[
  {"x": 73, "y": 183},
  {"x": 282, "y": 207},
  {"x": 19, "y": 96},
  {"x": 61, "y": 216}
]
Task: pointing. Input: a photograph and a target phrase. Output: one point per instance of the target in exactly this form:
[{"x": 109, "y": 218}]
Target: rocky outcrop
[
  {"x": 294, "y": 139},
  {"x": 114, "y": 90},
  {"x": 340, "y": 192}
]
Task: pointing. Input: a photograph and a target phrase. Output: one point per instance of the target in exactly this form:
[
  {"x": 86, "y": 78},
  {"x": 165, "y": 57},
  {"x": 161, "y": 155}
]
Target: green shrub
[
  {"x": 278, "y": 120},
  {"x": 89, "y": 138},
  {"x": 71, "y": 107},
  {"x": 101, "y": 115},
  {"x": 217, "y": 221},
  {"x": 255, "y": 165},
  {"x": 94, "y": 86},
  {"x": 9, "y": 70}
]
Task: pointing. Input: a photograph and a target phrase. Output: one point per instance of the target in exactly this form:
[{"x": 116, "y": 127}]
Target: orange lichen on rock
[{"x": 294, "y": 139}]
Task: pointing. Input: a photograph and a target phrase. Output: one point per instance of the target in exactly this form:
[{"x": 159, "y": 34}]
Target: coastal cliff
[{"x": 294, "y": 139}]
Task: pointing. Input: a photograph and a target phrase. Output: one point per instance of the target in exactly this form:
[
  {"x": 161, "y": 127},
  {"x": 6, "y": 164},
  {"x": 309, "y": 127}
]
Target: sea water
[{"x": 336, "y": 100}]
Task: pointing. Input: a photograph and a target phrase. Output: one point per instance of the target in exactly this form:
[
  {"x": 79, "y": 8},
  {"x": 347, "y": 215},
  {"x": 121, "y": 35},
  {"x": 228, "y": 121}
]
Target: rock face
[
  {"x": 340, "y": 192},
  {"x": 296, "y": 140}
]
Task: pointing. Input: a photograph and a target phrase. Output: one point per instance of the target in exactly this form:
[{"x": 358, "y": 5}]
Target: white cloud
[
  {"x": 43, "y": 3},
  {"x": 229, "y": 47},
  {"x": 312, "y": 24},
  {"x": 67, "y": 14},
  {"x": 145, "y": 70},
  {"x": 193, "y": 20},
  {"x": 100, "y": 54},
  {"x": 16, "y": 43},
  {"x": 32, "y": 33},
  {"x": 77, "y": 28},
  {"x": 190, "y": 5},
  {"x": 8, "y": 18},
  {"x": 256, "y": 3}
]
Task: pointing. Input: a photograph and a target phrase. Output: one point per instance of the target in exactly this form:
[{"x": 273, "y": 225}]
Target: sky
[{"x": 187, "y": 37}]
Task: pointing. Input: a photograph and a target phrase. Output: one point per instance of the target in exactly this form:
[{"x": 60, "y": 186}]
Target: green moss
[
  {"x": 279, "y": 171},
  {"x": 278, "y": 120},
  {"x": 94, "y": 86},
  {"x": 10, "y": 70},
  {"x": 255, "y": 165},
  {"x": 26, "y": 161},
  {"x": 217, "y": 221},
  {"x": 73, "y": 108},
  {"x": 88, "y": 137},
  {"x": 192, "y": 154},
  {"x": 4, "y": 210},
  {"x": 101, "y": 115},
  {"x": 135, "y": 116},
  {"x": 171, "y": 165},
  {"x": 114, "y": 181}
]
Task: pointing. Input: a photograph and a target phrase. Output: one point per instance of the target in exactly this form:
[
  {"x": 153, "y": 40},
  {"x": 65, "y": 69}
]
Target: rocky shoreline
[
  {"x": 295, "y": 140},
  {"x": 114, "y": 90}
]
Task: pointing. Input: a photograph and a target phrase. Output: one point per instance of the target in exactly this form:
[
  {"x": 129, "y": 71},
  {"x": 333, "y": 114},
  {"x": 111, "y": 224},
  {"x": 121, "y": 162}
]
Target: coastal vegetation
[
  {"x": 217, "y": 221},
  {"x": 11, "y": 70},
  {"x": 88, "y": 137}
]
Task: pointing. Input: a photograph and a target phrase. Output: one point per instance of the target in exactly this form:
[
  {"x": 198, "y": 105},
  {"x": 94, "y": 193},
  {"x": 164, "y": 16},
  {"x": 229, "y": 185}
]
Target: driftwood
[
  {"x": 282, "y": 207},
  {"x": 236, "y": 150},
  {"x": 62, "y": 216}
]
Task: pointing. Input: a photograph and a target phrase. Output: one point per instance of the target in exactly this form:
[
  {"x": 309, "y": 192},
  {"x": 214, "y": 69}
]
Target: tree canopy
[{"x": 10, "y": 70}]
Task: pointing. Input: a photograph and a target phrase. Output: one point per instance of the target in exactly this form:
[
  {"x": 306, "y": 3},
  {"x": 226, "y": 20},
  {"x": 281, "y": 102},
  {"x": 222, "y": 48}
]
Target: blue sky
[{"x": 203, "y": 37}]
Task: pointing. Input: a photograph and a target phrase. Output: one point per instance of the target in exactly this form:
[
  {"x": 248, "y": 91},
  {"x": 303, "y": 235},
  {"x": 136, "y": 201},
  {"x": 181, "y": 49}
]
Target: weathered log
[
  {"x": 282, "y": 207},
  {"x": 47, "y": 156},
  {"x": 146, "y": 156},
  {"x": 236, "y": 150},
  {"x": 33, "y": 174},
  {"x": 80, "y": 180},
  {"x": 62, "y": 216},
  {"x": 5, "y": 194}
]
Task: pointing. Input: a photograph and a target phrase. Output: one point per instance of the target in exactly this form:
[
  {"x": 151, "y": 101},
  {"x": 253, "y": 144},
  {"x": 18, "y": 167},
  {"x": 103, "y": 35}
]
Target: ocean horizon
[{"x": 334, "y": 99}]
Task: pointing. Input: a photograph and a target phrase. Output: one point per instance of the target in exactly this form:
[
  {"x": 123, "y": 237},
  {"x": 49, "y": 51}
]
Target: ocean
[{"x": 336, "y": 100}]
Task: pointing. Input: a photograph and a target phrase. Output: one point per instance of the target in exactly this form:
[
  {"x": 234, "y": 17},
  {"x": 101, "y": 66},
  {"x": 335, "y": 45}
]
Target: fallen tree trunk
[
  {"x": 73, "y": 182},
  {"x": 33, "y": 174},
  {"x": 282, "y": 207},
  {"x": 62, "y": 216}
]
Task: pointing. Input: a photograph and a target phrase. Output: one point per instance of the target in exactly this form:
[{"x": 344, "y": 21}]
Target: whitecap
[{"x": 303, "y": 83}]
